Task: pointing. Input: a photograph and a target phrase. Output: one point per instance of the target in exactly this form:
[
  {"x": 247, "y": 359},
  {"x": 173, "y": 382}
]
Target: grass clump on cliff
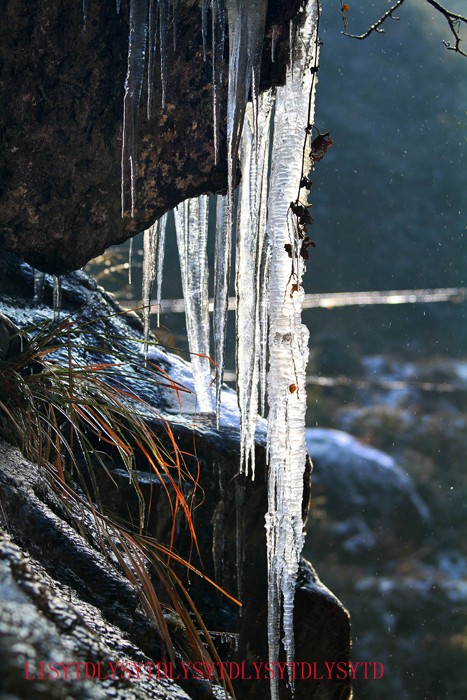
[{"x": 70, "y": 409}]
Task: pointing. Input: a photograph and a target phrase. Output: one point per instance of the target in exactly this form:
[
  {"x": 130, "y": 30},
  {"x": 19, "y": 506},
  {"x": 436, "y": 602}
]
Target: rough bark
[{"x": 61, "y": 98}]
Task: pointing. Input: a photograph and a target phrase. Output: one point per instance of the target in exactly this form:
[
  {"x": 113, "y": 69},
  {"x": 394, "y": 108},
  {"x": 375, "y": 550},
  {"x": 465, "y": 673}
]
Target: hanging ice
[
  {"x": 133, "y": 86},
  {"x": 160, "y": 265},
  {"x": 204, "y": 24},
  {"x": 217, "y": 58},
  {"x": 246, "y": 28},
  {"x": 288, "y": 342},
  {"x": 164, "y": 44},
  {"x": 152, "y": 43},
  {"x": 57, "y": 297},
  {"x": 85, "y": 14},
  {"x": 39, "y": 282},
  {"x": 191, "y": 222},
  {"x": 251, "y": 243},
  {"x": 149, "y": 270}
]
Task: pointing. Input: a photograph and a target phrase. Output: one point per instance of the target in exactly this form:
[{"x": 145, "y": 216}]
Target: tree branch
[
  {"x": 376, "y": 26},
  {"x": 453, "y": 19}
]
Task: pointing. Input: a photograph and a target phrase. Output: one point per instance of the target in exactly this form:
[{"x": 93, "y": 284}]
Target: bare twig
[
  {"x": 376, "y": 26},
  {"x": 453, "y": 19}
]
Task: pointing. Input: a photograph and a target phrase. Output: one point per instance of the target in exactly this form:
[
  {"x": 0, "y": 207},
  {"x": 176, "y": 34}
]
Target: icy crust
[{"x": 288, "y": 347}]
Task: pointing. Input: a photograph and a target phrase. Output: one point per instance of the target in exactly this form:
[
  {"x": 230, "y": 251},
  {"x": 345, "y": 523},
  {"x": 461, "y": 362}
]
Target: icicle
[
  {"x": 149, "y": 269},
  {"x": 204, "y": 24},
  {"x": 191, "y": 223},
  {"x": 152, "y": 42},
  {"x": 133, "y": 86},
  {"x": 163, "y": 44},
  {"x": 119, "y": 3},
  {"x": 246, "y": 29},
  {"x": 273, "y": 42},
  {"x": 174, "y": 23},
  {"x": 217, "y": 56},
  {"x": 288, "y": 351},
  {"x": 251, "y": 226},
  {"x": 221, "y": 292},
  {"x": 130, "y": 261},
  {"x": 39, "y": 281},
  {"x": 218, "y": 523},
  {"x": 240, "y": 532},
  {"x": 85, "y": 14},
  {"x": 160, "y": 265},
  {"x": 57, "y": 297},
  {"x": 263, "y": 323}
]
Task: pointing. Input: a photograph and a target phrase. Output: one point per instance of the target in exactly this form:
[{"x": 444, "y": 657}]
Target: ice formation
[
  {"x": 269, "y": 255},
  {"x": 191, "y": 223},
  {"x": 252, "y": 252},
  {"x": 160, "y": 265},
  {"x": 288, "y": 343},
  {"x": 133, "y": 86}
]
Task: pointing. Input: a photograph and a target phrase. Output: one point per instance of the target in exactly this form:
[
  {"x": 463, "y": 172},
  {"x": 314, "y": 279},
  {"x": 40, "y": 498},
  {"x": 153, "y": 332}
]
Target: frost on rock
[
  {"x": 191, "y": 223},
  {"x": 288, "y": 344},
  {"x": 252, "y": 247}
]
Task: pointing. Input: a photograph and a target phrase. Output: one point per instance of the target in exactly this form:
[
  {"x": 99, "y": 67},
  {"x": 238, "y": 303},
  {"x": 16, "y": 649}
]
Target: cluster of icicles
[{"x": 268, "y": 135}]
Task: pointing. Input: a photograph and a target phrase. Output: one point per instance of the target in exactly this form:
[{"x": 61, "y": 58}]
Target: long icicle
[
  {"x": 149, "y": 269},
  {"x": 246, "y": 28},
  {"x": 251, "y": 228},
  {"x": 288, "y": 345},
  {"x": 160, "y": 264},
  {"x": 133, "y": 86},
  {"x": 152, "y": 43},
  {"x": 164, "y": 46},
  {"x": 191, "y": 223}
]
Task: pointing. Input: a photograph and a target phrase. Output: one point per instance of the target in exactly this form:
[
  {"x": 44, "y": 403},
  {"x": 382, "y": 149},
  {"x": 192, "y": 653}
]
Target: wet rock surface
[{"x": 58, "y": 597}]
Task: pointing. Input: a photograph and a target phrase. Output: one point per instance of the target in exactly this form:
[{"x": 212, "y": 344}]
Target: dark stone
[
  {"x": 61, "y": 100},
  {"x": 371, "y": 504}
]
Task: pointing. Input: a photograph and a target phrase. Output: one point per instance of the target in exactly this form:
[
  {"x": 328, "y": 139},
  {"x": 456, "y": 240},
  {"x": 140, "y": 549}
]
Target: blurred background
[{"x": 387, "y": 532}]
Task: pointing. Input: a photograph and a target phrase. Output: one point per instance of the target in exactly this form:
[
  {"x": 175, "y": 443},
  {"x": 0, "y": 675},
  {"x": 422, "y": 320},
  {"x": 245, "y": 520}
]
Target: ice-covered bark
[
  {"x": 191, "y": 222},
  {"x": 251, "y": 244},
  {"x": 288, "y": 344}
]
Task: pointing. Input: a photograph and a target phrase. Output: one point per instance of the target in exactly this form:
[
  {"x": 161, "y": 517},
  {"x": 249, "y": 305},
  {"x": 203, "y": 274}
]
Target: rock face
[
  {"x": 61, "y": 98},
  {"x": 61, "y": 602},
  {"x": 228, "y": 518},
  {"x": 371, "y": 501}
]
